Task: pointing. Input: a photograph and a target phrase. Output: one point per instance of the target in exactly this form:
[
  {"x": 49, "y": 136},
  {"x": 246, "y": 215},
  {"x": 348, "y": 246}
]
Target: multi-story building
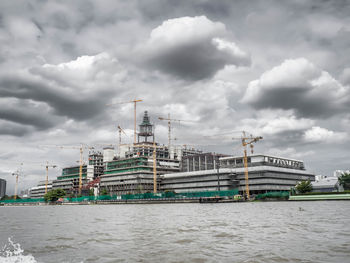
[
  {"x": 39, "y": 190},
  {"x": 69, "y": 180},
  {"x": 2, "y": 188},
  {"x": 266, "y": 173}
]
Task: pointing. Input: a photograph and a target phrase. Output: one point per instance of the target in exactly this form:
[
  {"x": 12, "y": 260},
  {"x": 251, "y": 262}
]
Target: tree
[
  {"x": 54, "y": 195},
  {"x": 344, "y": 180},
  {"x": 304, "y": 187},
  {"x": 91, "y": 192},
  {"x": 104, "y": 191}
]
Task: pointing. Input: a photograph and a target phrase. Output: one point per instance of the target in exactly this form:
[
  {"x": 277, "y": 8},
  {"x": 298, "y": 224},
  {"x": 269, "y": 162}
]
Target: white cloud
[
  {"x": 191, "y": 48},
  {"x": 298, "y": 85},
  {"x": 183, "y": 30},
  {"x": 322, "y": 135}
]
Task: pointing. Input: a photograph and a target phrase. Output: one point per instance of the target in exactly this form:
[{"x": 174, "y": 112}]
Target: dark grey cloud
[{"x": 14, "y": 129}]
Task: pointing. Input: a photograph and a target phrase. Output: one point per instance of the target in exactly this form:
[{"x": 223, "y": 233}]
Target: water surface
[{"x": 316, "y": 231}]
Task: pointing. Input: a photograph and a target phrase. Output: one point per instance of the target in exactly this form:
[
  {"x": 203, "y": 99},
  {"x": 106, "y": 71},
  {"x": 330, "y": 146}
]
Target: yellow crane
[
  {"x": 247, "y": 140},
  {"x": 135, "y": 101},
  {"x": 169, "y": 126},
  {"x": 155, "y": 166}
]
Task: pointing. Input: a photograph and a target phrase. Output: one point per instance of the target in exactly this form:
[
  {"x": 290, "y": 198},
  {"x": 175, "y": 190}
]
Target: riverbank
[{"x": 319, "y": 197}]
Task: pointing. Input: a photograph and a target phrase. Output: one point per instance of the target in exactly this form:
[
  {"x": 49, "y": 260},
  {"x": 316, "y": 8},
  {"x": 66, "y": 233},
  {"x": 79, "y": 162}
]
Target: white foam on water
[{"x": 12, "y": 253}]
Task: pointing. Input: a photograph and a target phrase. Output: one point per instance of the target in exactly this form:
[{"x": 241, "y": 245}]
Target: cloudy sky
[{"x": 277, "y": 69}]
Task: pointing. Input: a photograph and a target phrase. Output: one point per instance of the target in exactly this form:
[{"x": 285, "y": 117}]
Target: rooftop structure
[{"x": 200, "y": 161}]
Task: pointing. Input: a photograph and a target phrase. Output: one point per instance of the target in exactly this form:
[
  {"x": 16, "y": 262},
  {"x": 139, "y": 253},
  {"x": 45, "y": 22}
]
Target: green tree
[
  {"x": 91, "y": 192},
  {"x": 344, "y": 180},
  {"x": 104, "y": 191},
  {"x": 304, "y": 187},
  {"x": 54, "y": 195}
]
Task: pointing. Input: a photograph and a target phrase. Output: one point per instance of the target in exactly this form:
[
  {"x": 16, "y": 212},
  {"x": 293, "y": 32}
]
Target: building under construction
[{"x": 133, "y": 171}]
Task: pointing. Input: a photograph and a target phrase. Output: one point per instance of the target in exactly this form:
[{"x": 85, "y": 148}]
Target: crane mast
[
  {"x": 47, "y": 166},
  {"x": 248, "y": 140}
]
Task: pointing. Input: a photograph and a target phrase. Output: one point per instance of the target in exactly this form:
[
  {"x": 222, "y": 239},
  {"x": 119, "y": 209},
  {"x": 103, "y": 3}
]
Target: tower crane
[
  {"x": 135, "y": 101},
  {"x": 169, "y": 126},
  {"x": 247, "y": 140},
  {"x": 120, "y": 130},
  {"x": 47, "y": 166},
  {"x": 17, "y": 173}
]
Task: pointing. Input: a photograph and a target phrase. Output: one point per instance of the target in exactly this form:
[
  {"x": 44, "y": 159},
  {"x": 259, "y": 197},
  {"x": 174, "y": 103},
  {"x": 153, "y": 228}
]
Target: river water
[{"x": 316, "y": 231}]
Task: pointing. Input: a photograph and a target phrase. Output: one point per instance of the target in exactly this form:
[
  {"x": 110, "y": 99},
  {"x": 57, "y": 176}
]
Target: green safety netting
[
  {"x": 27, "y": 200},
  {"x": 282, "y": 194},
  {"x": 162, "y": 195}
]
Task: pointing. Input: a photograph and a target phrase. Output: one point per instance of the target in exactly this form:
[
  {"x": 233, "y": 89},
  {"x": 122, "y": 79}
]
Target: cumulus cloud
[
  {"x": 191, "y": 48},
  {"x": 299, "y": 85},
  {"x": 269, "y": 122},
  {"x": 322, "y": 135}
]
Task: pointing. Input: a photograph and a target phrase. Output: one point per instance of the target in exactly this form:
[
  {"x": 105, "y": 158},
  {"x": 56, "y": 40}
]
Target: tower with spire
[{"x": 146, "y": 130}]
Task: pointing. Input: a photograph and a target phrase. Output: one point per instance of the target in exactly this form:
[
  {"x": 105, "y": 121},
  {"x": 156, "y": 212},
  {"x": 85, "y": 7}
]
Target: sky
[{"x": 276, "y": 69}]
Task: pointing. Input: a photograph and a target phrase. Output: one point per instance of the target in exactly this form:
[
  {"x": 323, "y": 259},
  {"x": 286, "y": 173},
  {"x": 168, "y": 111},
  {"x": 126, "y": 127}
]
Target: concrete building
[
  {"x": 39, "y": 190},
  {"x": 266, "y": 173},
  {"x": 2, "y": 188},
  {"x": 134, "y": 175}
]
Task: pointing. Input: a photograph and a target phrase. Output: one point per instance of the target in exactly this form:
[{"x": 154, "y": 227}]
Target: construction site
[{"x": 146, "y": 169}]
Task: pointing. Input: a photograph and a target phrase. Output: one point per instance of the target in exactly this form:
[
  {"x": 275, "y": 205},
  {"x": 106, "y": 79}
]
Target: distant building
[
  {"x": 327, "y": 184},
  {"x": 2, "y": 187},
  {"x": 39, "y": 190}
]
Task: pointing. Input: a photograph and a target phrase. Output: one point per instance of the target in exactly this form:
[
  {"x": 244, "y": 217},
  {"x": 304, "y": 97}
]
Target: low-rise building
[
  {"x": 266, "y": 174},
  {"x": 327, "y": 184}
]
